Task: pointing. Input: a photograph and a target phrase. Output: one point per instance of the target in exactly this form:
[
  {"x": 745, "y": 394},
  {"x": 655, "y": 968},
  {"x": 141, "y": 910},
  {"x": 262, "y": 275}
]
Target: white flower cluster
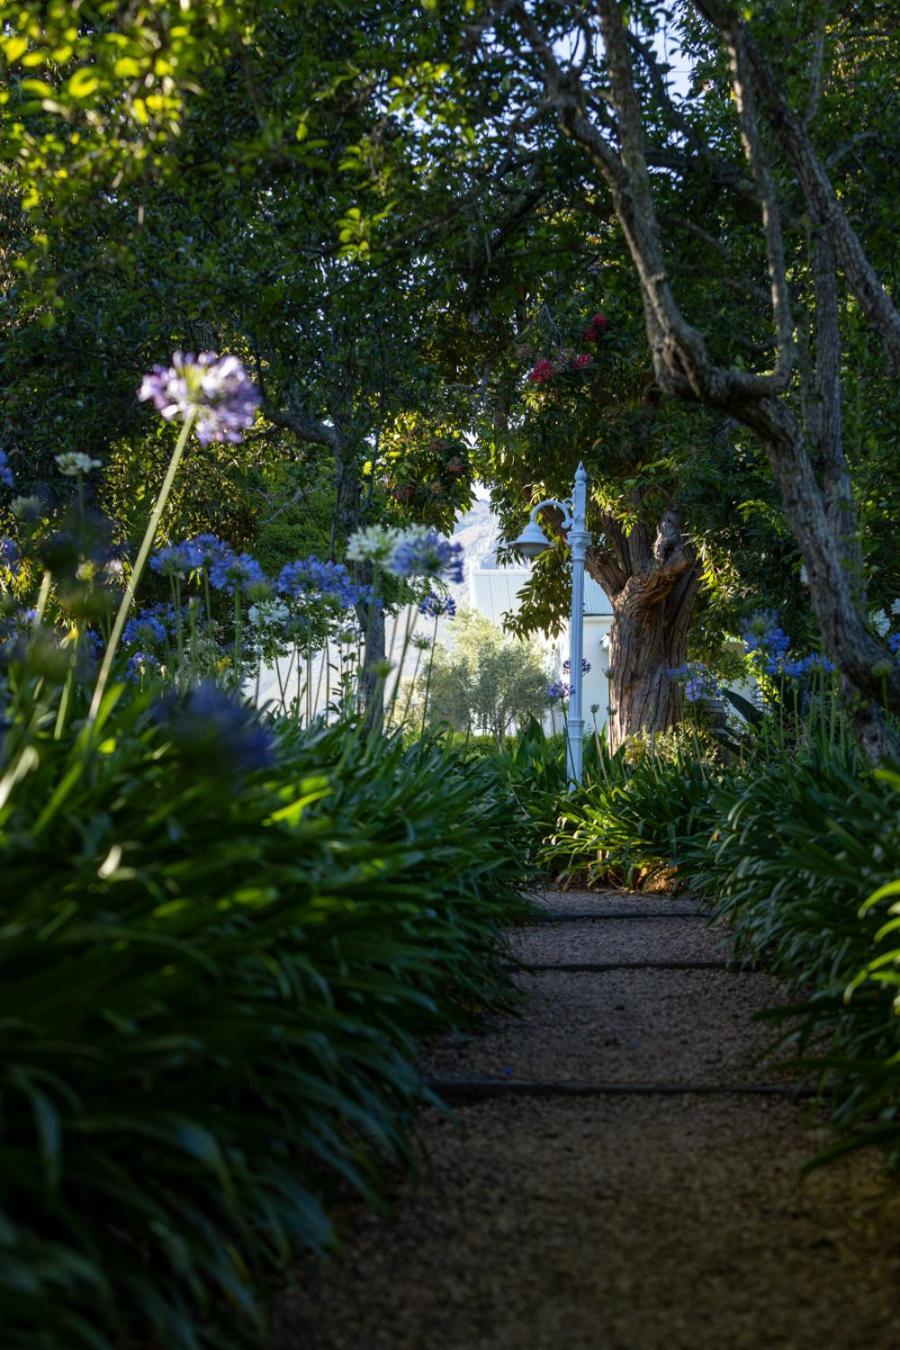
[
  {"x": 73, "y": 464},
  {"x": 377, "y": 544},
  {"x": 269, "y": 614}
]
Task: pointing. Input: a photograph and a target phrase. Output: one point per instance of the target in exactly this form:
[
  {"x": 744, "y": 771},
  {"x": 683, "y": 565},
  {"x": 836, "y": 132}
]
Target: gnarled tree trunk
[
  {"x": 648, "y": 638},
  {"x": 652, "y": 583}
]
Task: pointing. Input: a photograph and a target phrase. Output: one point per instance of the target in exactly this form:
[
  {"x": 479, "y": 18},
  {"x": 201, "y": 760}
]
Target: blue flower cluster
[
  {"x": 428, "y": 555},
  {"x": 176, "y": 560},
  {"x": 893, "y": 643},
  {"x": 9, "y": 554},
  {"x": 585, "y": 666},
  {"x": 140, "y": 664},
  {"x": 208, "y": 549},
  {"x": 557, "y": 690},
  {"x": 797, "y": 669},
  {"x": 699, "y": 682},
  {"x": 310, "y": 578},
  {"x": 6, "y": 473},
  {"x": 217, "y": 729},
  {"x": 762, "y": 634},
  {"x": 236, "y": 572},
  {"x": 144, "y": 630},
  {"x": 433, "y": 606}
]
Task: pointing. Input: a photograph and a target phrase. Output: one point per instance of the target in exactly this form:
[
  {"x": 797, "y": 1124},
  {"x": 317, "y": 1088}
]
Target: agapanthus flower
[
  {"x": 144, "y": 630},
  {"x": 433, "y": 606},
  {"x": 92, "y": 641},
  {"x": 763, "y": 634},
  {"x": 375, "y": 544},
  {"x": 798, "y": 668},
  {"x": 74, "y": 464},
  {"x": 699, "y": 683},
  {"x": 236, "y": 572},
  {"x": 595, "y": 327},
  {"x": 893, "y": 643},
  {"x": 9, "y": 553},
  {"x": 217, "y": 731},
  {"x": 142, "y": 664},
  {"x": 425, "y": 553},
  {"x": 585, "y": 666},
  {"x": 311, "y": 578},
  {"x": 541, "y": 371},
  {"x": 208, "y": 549},
  {"x": 176, "y": 560},
  {"x": 6, "y": 473},
  {"x": 582, "y": 361},
  {"x": 268, "y": 614},
  {"x": 29, "y": 508},
  {"x": 215, "y": 388},
  {"x": 557, "y": 690}
]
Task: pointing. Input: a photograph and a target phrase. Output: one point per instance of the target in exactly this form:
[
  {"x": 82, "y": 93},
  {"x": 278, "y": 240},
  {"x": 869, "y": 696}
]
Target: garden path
[{"x": 622, "y": 1172}]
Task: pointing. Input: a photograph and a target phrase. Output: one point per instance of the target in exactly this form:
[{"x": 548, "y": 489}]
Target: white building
[{"x": 495, "y": 592}]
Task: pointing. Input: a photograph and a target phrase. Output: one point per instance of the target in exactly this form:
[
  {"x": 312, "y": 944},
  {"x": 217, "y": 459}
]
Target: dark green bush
[
  {"x": 797, "y": 850},
  {"x": 635, "y": 814},
  {"x": 788, "y": 842},
  {"x": 211, "y": 990}
]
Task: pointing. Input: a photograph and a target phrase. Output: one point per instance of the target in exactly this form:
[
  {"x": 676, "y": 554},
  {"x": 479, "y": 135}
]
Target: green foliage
[
  {"x": 638, "y": 810},
  {"x": 800, "y": 864},
  {"x": 211, "y": 994},
  {"x": 488, "y": 681},
  {"x": 796, "y": 844}
]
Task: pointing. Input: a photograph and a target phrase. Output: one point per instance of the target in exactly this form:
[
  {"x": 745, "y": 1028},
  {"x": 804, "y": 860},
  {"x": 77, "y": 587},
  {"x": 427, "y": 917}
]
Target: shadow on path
[{"x": 613, "y": 1177}]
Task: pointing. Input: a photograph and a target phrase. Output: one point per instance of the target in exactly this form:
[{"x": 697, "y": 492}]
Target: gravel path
[{"x": 570, "y": 1204}]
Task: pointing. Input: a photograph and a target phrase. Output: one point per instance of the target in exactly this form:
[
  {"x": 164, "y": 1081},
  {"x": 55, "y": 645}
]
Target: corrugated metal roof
[{"x": 495, "y": 592}]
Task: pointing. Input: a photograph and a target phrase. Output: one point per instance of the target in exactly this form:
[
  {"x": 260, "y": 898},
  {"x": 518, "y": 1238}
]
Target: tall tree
[{"x": 601, "y": 77}]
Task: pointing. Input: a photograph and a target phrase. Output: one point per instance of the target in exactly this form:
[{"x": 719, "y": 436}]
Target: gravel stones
[{"x": 616, "y": 1223}]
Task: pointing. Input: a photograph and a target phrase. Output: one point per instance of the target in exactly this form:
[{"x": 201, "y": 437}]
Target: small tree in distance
[{"x": 489, "y": 683}]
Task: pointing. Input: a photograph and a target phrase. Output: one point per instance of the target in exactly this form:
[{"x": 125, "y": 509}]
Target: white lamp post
[{"x": 533, "y": 541}]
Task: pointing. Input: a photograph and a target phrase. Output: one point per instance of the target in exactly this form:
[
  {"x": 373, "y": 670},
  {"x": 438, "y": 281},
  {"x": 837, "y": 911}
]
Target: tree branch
[
  {"x": 304, "y": 426},
  {"x": 825, "y": 208}
]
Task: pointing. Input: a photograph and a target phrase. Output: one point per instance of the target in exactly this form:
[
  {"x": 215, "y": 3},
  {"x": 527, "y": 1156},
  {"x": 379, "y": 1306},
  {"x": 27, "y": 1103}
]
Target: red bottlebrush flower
[
  {"x": 541, "y": 371},
  {"x": 581, "y": 361},
  {"x": 595, "y": 327}
]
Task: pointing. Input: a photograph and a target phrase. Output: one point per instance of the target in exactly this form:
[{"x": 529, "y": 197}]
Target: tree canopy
[{"x": 406, "y": 219}]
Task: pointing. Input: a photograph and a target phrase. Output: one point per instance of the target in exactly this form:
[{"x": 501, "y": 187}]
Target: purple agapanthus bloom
[
  {"x": 217, "y": 731},
  {"x": 9, "y": 553},
  {"x": 763, "y": 634},
  {"x": 557, "y": 690},
  {"x": 144, "y": 630},
  {"x": 177, "y": 560},
  {"x": 216, "y": 388},
  {"x": 893, "y": 643},
  {"x": 141, "y": 664},
  {"x": 699, "y": 683},
  {"x": 798, "y": 668},
  {"x": 428, "y": 554},
  {"x": 92, "y": 641},
  {"x": 208, "y": 549},
  {"x": 311, "y": 578},
  {"x": 585, "y": 666},
  {"x": 236, "y": 572},
  {"x": 6, "y": 473},
  {"x": 433, "y": 606}
]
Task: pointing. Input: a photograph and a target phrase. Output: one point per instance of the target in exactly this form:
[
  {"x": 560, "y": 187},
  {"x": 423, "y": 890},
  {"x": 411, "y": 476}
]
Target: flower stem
[{"x": 140, "y": 563}]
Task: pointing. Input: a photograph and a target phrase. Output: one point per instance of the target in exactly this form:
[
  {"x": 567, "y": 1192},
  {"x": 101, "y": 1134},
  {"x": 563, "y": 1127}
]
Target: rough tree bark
[
  {"x": 807, "y": 461},
  {"x": 652, "y": 581}
]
